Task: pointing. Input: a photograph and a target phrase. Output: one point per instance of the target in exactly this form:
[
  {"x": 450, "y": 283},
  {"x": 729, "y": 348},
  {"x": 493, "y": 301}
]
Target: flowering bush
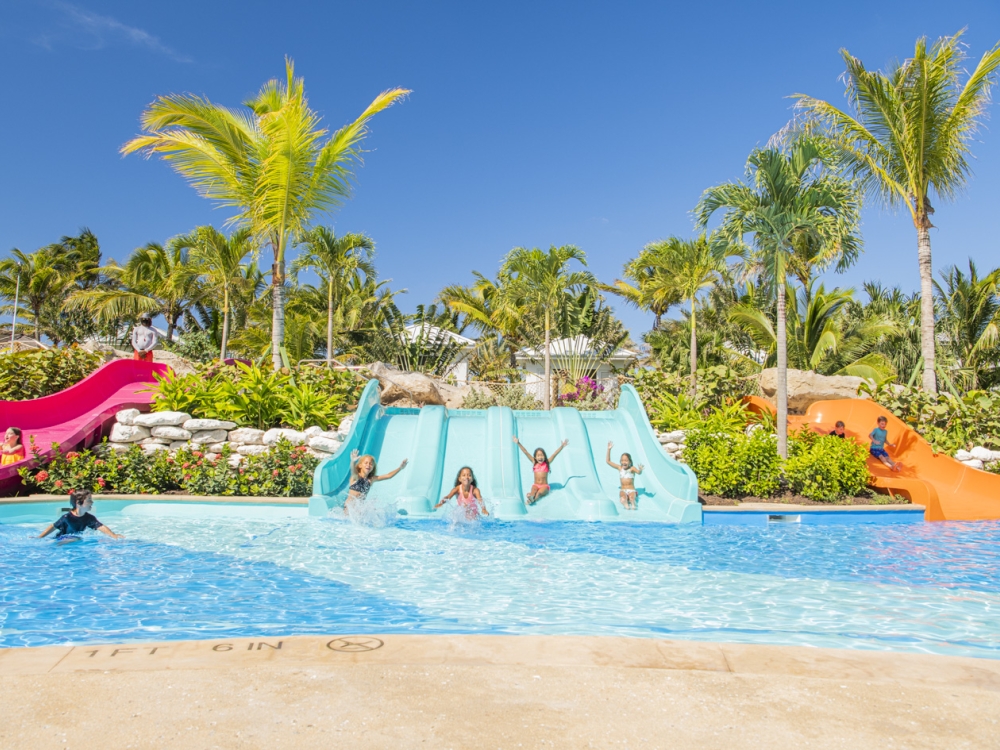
[
  {"x": 284, "y": 471},
  {"x": 584, "y": 394}
]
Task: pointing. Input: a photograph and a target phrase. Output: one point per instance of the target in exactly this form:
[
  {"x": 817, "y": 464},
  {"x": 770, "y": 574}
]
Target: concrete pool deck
[{"x": 401, "y": 691}]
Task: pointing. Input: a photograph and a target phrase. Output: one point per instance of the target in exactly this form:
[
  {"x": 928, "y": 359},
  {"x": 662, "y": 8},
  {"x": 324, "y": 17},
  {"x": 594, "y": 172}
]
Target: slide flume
[
  {"x": 78, "y": 416},
  {"x": 438, "y": 442},
  {"x": 948, "y": 490}
]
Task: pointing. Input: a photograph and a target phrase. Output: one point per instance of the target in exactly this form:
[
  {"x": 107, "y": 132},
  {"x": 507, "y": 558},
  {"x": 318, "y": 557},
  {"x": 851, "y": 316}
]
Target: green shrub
[
  {"x": 717, "y": 386},
  {"x": 41, "y": 372},
  {"x": 512, "y": 396},
  {"x": 195, "y": 346},
  {"x": 825, "y": 467},
  {"x": 819, "y": 467},
  {"x": 284, "y": 471}
]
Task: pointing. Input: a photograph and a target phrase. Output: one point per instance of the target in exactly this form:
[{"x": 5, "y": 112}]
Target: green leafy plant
[
  {"x": 41, "y": 372},
  {"x": 512, "y": 396},
  {"x": 825, "y": 467},
  {"x": 308, "y": 406},
  {"x": 196, "y": 346}
]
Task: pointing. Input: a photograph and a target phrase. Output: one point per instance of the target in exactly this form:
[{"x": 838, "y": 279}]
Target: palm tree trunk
[
  {"x": 782, "y": 394},
  {"x": 225, "y": 323},
  {"x": 38, "y": 323},
  {"x": 329, "y": 324},
  {"x": 171, "y": 324},
  {"x": 694, "y": 352},
  {"x": 926, "y": 304},
  {"x": 278, "y": 316},
  {"x": 548, "y": 366}
]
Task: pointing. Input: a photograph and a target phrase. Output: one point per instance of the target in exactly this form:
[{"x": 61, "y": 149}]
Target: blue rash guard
[{"x": 74, "y": 524}]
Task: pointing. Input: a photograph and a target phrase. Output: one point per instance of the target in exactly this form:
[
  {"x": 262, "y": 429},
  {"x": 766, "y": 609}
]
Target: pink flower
[
  {"x": 71, "y": 455},
  {"x": 59, "y": 483},
  {"x": 100, "y": 481},
  {"x": 275, "y": 473},
  {"x": 186, "y": 466},
  {"x": 197, "y": 454},
  {"x": 42, "y": 476},
  {"x": 98, "y": 462}
]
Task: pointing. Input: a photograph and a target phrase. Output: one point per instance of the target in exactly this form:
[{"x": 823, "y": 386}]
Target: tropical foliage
[{"x": 34, "y": 373}]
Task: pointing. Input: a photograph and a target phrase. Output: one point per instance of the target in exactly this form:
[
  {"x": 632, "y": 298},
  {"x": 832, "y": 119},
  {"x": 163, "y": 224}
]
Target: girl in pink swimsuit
[
  {"x": 540, "y": 467},
  {"x": 467, "y": 491}
]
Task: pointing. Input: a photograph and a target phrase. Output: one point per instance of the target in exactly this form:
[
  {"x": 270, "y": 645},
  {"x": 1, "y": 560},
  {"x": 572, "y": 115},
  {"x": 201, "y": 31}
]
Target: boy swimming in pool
[
  {"x": 879, "y": 436},
  {"x": 540, "y": 467},
  {"x": 72, "y": 524},
  {"x": 363, "y": 475},
  {"x": 626, "y": 476},
  {"x": 469, "y": 496}
]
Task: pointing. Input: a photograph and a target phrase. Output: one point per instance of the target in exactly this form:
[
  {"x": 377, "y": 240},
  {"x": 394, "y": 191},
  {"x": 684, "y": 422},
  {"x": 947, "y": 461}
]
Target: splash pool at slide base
[{"x": 191, "y": 571}]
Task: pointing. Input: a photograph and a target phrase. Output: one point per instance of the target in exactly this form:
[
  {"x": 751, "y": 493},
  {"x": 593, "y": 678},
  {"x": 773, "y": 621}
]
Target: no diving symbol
[{"x": 355, "y": 644}]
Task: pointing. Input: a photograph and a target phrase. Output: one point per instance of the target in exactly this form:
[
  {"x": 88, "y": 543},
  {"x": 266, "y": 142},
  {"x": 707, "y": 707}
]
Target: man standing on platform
[{"x": 144, "y": 338}]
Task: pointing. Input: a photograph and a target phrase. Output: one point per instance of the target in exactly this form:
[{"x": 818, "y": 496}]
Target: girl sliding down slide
[
  {"x": 626, "y": 475},
  {"x": 469, "y": 497},
  {"x": 363, "y": 475},
  {"x": 541, "y": 469}
]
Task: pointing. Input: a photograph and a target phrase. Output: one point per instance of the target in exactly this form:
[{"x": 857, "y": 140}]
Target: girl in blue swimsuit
[{"x": 363, "y": 475}]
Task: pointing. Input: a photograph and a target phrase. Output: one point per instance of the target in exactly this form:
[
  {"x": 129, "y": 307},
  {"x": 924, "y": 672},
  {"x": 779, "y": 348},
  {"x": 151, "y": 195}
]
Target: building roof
[
  {"x": 577, "y": 346},
  {"x": 435, "y": 334}
]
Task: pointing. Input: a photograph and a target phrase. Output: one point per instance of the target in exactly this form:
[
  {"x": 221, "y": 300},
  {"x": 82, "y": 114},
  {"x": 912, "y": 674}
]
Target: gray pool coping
[
  {"x": 221, "y": 499},
  {"x": 784, "y": 508}
]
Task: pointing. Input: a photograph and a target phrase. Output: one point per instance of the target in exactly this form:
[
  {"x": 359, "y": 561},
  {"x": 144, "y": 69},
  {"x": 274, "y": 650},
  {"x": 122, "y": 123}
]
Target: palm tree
[
  {"x": 647, "y": 284},
  {"x": 274, "y": 164},
  {"x": 538, "y": 281},
  {"x": 219, "y": 260},
  {"x": 787, "y": 196},
  {"x": 44, "y": 280},
  {"x": 970, "y": 317},
  {"x": 336, "y": 260},
  {"x": 910, "y": 131},
  {"x": 155, "y": 281},
  {"x": 686, "y": 268}
]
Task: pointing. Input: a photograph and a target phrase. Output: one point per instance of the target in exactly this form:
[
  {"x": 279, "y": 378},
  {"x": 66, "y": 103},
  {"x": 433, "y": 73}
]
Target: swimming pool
[{"x": 196, "y": 571}]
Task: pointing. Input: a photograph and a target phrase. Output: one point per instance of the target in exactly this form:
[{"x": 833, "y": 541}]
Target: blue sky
[{"x": 594, "y": 124}]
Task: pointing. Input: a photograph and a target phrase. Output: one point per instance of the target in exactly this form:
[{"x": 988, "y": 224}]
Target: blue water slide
[{"x": 438, "y": 442}]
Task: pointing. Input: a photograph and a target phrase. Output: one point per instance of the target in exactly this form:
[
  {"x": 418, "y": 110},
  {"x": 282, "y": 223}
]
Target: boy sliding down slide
[{"x": 879, "y": 436}]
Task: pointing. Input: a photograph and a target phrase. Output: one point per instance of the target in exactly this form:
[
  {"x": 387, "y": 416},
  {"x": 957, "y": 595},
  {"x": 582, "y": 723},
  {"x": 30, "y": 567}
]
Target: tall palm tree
[
  {"x": 219, "y": 261},
  {"x": 539, "y": 280},
  {"x": 44, "y": 280},
  {"x": 970, "y": 319},
  {"x": 274, "y": 163},
  {"x": 647, "y": 284},
  {"x": 786, "y": 196},
  {"x": 336, "y": 260},
  {"x": 155, "y": 281},
  {"x": 910, "y": 131},
  {"x": 686, "y": 268}
]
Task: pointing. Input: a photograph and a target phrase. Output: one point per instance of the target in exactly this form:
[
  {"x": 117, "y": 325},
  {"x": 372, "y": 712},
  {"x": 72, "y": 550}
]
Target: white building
[{"x": 575, "y": 355}]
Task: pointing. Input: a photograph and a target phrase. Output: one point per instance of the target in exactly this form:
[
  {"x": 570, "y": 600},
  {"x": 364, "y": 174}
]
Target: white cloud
[{"x": 89, "y": 30}]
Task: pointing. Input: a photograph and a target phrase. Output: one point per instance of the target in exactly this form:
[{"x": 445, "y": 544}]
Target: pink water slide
[{"x": 80, "y": 415}]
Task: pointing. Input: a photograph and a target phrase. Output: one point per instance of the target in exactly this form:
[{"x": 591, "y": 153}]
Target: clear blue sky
[{"x": 594, "y": 124}]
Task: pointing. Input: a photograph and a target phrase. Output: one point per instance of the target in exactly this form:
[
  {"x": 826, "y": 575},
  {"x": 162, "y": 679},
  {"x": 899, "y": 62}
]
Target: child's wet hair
[
  {"x": 374, "y": 466},
  {"x": 840, "y": 423},
  {"x": 458, "y": 477},
  {"x": 629, "y": 457},
  {"x": 17, "y": 433},
  {"x": 882, "y": 419},
  {"x": 79, "y": 497},
  {"x": 545, "y": 456}
]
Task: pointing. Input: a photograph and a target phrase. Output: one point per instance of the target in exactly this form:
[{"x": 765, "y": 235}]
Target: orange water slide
[{"x": 948, "y": 490}]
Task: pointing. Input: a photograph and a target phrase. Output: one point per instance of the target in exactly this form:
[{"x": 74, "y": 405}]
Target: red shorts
[{"x": 142, "y": 356}]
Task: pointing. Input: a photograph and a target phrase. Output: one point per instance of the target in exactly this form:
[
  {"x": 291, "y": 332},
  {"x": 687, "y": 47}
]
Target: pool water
[{"x": 186, "y": 572}]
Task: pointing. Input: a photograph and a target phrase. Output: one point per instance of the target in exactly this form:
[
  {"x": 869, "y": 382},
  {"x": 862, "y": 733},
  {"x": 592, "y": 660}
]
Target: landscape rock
[
  {"x": 247, "y": 436},
  {"x": 324, "y": 444},
  {"x": 155, "y": 447},
  {"x": 200, "y": 425},
  {"x": 413, "y": 386},
  {"x": 235, "y": 460},
  {"x": 805, "y": 387},
  {"x": 211, "y": 456},
  {"x": 453, "y": 395},
  {"x": 963, "y": 455},
  {"x": 314, "y": 430},
  {"x": 180, "y": 445},
  {"x": 161, "y": 418},
  {"x": 126, "y": 416},
  {"x": 175, "y": 362},
  {"x": 207, "y": 437},
  {"x": 171, "y": 433},
  {"x": 974, "y": 463},
  {"x": 671, "y": 447},
  {"x": 119, "y": 447},
  {"x": 292, "y": 436},
  {"x": 345, "y": 425},
  {"x": 217, "y": 447},
  {"x": 126, "y": 433},
  {"x": 983, "y": 454},
  {"x": 154, "y": 441},
  {"x": 251, "y": 450},
  {"x": 318, "y": 454}
]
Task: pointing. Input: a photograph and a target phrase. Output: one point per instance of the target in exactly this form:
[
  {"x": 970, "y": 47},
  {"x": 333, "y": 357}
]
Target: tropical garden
[{"x": 752, "y": 285}]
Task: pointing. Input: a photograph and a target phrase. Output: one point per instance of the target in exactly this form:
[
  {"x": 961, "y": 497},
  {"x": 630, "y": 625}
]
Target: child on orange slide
[{"x": 879, "y": 436}]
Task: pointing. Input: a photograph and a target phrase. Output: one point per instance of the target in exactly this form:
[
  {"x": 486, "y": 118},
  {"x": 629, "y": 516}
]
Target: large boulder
[
  {"x": 127, "y": 416},
  {"x": 324, "y": 444},
  {"x": 252, "y": 450},
  {"x": 127, "y": 433},
  {"x": 292, "y": 436},
  {"x": 412, "y": 387},
  {"x": 806, "y": 387},
  {"x": 207, "y": 437},
  {"x": 198, "y": 425},
  {"x": 161, "y": 419},
  {"x": 247, "y": 436},
  {"x": 171, "y": 433}
]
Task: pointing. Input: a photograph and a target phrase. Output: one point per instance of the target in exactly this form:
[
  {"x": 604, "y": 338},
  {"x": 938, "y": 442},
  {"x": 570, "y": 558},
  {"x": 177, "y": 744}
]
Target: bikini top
[
  {"x": 541, "y": 467},
  {"x": 625, "y": 473},
  {"x": 361, "y": 485},
  {"x": 466, "y": 499}
]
